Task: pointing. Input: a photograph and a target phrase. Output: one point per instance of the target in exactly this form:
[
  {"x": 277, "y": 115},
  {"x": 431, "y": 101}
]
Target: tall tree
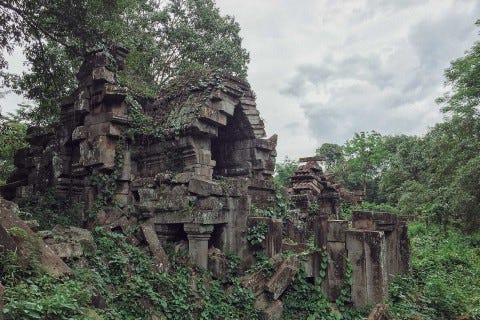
[
  {"x": 365, "y": 156},
  {"x": 165, "y": 39},
  {"x": 333, "y": 154}
]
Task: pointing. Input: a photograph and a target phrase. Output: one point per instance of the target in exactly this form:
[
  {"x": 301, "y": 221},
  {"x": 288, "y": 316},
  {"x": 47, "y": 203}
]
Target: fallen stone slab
[
  {"x": 160, "y": 258},
  {"x": 69, "y": 241},
  {"x": 204, "y": 187},
  {"x": 280, "y": 281}
]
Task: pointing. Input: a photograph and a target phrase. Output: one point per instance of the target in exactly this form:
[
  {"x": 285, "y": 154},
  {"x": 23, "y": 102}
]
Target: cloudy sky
[{"x": 325, "y": 69}]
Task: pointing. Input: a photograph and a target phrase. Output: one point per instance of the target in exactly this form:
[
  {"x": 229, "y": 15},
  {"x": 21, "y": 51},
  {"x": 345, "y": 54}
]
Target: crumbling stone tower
[{"x": 194, "y": 174}]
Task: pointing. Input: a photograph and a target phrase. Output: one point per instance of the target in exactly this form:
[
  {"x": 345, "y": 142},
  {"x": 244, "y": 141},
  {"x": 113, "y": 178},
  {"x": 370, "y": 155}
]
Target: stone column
[
  {"x": 366, "y": 251},
  {"x": 198, "y": 236},
  {"x": 337, "y": 254},
  {"x": 320, "y": 230}
]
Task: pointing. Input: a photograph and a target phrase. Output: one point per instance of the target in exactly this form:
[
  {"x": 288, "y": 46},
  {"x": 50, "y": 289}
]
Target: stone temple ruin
[{"x": 195, "y": 176}]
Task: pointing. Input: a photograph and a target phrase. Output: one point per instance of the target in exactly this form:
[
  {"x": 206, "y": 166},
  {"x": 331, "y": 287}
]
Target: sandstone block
[
  {"x": 204, "y": 187},
  {"x": 217, "y": 263},
  {"x": 274, "y": 311},
  {"x": 255, "y": 281},
  {"x": 213, "y": 116},
  {"x": 336, "y": 230},
  {"x": 28, "y": 244},
  {"x": 160, "y": 258},
  {"x": 103, "y": 74},
  {"x": 280, "y": 281},
  {"x": 366, "y": 251}
]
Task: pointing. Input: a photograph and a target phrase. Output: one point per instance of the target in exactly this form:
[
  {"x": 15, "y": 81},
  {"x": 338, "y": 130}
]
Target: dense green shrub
[{"x": 445, "y": 283}]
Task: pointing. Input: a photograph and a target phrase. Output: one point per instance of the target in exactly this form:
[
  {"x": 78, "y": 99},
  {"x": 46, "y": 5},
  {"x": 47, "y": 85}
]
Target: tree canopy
[{"x": 166, "y": 40}]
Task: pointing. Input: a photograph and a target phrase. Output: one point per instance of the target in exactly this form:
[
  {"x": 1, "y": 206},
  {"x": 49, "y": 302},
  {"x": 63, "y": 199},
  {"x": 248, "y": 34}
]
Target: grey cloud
[
  {"x": 436, "y": 40},
  {"x": 392, "y": 94},
  {"x": 355, "y": 67}
]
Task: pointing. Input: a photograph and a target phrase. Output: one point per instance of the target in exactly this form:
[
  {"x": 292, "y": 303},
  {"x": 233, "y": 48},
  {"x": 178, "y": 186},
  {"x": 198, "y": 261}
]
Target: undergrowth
[
  {"x": 445, "y": 282},
  {"x": 118, "y": 281}
]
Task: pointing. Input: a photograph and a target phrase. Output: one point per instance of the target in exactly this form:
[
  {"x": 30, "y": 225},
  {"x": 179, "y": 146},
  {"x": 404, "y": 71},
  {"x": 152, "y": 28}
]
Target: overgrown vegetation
[
  {"x": 445, "y": 283},
  {"x": 305, "y": 300},
  {"x": 49, "y": 209},
  {"x": 118, "y": 281}
]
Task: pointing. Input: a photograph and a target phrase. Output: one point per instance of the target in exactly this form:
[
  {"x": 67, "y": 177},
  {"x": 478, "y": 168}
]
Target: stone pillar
[
  {"x": 366, "y": 251},
  {"x": 320, "y": 230},
  {"x": 337, "y": 254},
  {"x": 404, "y": 264},
  {"x": 198, "y": 236}
]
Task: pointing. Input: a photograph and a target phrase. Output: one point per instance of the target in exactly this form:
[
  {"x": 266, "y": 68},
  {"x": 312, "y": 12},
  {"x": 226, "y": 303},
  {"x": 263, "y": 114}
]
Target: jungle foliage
[{"x": 166, "y": 40}]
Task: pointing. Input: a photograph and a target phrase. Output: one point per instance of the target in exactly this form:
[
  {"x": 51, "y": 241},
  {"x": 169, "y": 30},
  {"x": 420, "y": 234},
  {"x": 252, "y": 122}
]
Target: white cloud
[{"x": 324, "y": 70}]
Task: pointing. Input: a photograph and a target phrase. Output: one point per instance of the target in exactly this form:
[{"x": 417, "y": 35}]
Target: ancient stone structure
[
  {"x": 190, "y": 166},
  {"x": 376, "y": 244},
  {"x": 197, "y": 181}
]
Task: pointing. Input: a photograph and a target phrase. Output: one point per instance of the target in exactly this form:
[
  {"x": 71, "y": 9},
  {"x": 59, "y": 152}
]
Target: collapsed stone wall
[
  {"x": 371, "y": 248},
  {"x": 198, "y": 180}
]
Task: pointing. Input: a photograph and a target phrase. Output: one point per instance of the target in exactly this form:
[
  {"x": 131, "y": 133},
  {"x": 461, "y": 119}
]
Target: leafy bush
[
  {"x": 50, "y": 209},
  {"x": 445, "y": 283},
  {"x": 45, "y": 297},
  {"x": 256, "y": 234}
]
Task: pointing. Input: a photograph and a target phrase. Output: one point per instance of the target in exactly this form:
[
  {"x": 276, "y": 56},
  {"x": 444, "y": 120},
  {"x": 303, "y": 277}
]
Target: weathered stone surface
[
  {"x": 160, "y": 258},
  {"x": 70, "y": 242},
  {"x": 217, "y": 263},
  {"x": 115, "y": 219},
  {"x": 366, "y": 251},
  {"x": 337, "y": 264},
  {"x": 336, "y": 230},
  {"x": 262, "y": 302},
  {"x": 274, "y": 311},
  {"x": 282, "y": 278},
  {"x": 67, "y": 250},
  {"x": 204, "y": 187},
  {"x": 198, "y": 236},
  {"x": 255, "y": 281},
  {"x": 7, "y": 243},
  {"x": 212, "y": 116},
  {"x": 103, "y": 74},
  {"x": 33, "y": 224},
  {"x": 363, "y": 220}
]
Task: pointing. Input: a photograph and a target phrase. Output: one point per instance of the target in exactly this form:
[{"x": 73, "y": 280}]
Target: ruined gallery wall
[{"x": 199, "y": 179}]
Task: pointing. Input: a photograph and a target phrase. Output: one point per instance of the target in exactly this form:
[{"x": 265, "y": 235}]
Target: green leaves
[
  {"x": 12, "y": 138},
  {"x": 165, "y": 42},
  {"x": 256, "y": 234},
  {"x": 445, "y": 279}
]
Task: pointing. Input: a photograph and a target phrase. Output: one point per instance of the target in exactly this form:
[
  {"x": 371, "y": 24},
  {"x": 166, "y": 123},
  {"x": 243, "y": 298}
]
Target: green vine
[
  {"x": 106, "y": 183},
  {"x": 256, "y": 234}
]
